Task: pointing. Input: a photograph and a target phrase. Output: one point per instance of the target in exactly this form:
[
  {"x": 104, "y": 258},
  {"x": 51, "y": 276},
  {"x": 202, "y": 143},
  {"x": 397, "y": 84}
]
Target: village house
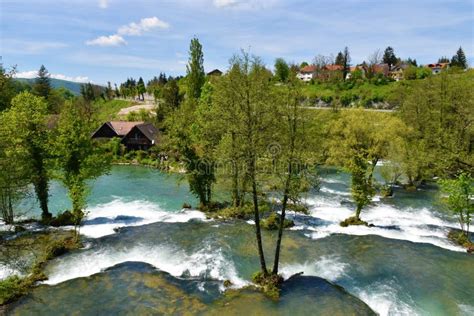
[
  {"x": 438, "y": 67},
  {"x": 134, "y": 135},
  {"x": 306, "y": 73},
  {"x": 397, "y": 72}
]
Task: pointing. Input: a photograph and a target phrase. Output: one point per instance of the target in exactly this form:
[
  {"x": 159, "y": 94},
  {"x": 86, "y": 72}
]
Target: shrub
[
  {"x": 63, "y": 219},
  {"x": 353, "y": 221},
  {"x": 270, "y": 284},
  {"x": 272, "y": 222}
]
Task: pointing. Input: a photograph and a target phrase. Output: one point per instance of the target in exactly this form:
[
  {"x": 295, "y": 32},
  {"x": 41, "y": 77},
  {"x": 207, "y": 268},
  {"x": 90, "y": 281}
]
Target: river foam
[
  {"x": 385, "y": 300},
  {"x": 415, "y": 225},
  {"x": 207, "y": 263},
  {"x": 103, "y": 219},
  {"x": 326, "y": 267}
]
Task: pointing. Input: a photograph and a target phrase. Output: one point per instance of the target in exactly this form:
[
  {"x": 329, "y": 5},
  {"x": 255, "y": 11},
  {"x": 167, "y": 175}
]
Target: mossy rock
[
  {"x": 298, "y": 208},
  {"x": 272, "y": 222},
  {"x": 410, "y": 188},
  {"x": 354, "y": 221},
  {"x": 63, "y": 219},
  {"x": 187, "y": 206},
  {"x": 461, "y": 239},
  {"x": 244, "y": 213},
  {"x": 227, "y": 283},
  {"x": 269, "y": 284}
]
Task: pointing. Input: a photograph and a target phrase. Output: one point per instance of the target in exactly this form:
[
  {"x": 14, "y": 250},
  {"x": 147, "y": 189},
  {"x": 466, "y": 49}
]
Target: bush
[
  {"x": 63, "y": 219},
  {"x": 272, "y": 222},
  {"x": 353, "y": 221},
  {"x": 460, "y": 238},
  {"x": 11, "y": 288},
  {"x": 347, "y": 98},
  {"x": 270, "y": 284},
  {"x": 326, "y": 98}
]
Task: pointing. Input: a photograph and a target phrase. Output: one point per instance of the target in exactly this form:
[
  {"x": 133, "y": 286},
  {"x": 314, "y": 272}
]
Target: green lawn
[{"x": 107, "y": 110}]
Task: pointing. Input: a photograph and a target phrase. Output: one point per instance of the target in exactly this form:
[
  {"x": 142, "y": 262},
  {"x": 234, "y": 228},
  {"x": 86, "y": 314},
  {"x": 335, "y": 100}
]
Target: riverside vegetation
[{"x": 246, "y": 135}]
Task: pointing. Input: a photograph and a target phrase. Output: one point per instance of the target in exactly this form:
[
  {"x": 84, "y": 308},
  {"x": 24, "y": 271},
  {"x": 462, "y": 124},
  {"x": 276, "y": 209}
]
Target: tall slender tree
[
  {"x": 195, "y": 69},
  {"x": 141, "y": 89},
  {"x": 346, "y": 63}
]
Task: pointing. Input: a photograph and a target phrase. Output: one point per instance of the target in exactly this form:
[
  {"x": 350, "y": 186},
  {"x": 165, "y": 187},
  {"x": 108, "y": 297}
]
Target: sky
[{"x": 110, "y": 40}]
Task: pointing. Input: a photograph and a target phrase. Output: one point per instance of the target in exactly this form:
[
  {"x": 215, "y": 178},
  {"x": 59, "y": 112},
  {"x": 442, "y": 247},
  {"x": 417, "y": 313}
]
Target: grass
[{"x": 108, "y": 110}]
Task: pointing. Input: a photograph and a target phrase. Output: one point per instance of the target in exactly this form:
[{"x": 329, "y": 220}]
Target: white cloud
[
  {"x": 132, "y": 29},
  {"x": 224, "y": 3},
  {"x": 111, "y": 40},
  {"x": 34, "y": 73},
  {"x": 145, "y": 25},
  {"x": 103, "y": 4},
  {"x": 244, "y": 4}
]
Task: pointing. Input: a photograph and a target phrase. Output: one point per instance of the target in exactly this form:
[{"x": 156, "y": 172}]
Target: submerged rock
[{"x": 138, "y": 288}]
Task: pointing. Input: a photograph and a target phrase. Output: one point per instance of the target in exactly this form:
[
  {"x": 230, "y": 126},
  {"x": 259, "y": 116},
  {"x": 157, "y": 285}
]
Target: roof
[
  {"x": 149, "y": 130},
  {"x": 122, "y": 128},
  {"x": 215, "y": 72},
  {"x": 381, "y": 68},
  {"x": 333, "y": 67},
  {"x": 308, "y": 69},
  {"x": 438, "y": 65}
]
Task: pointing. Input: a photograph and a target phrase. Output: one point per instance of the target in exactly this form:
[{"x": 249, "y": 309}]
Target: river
[{"x": 144, "y": 255}]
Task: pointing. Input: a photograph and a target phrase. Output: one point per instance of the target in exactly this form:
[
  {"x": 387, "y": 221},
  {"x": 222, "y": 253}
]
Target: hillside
[{"x": 74, "y": 87}]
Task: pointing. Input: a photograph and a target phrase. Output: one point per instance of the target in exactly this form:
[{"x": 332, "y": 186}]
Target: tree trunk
[
  {"x": 235, "y": 177},
  {"x": 258, "y": 232},
  {"x": 358, "y": 210},
  {"x": 280, "y": 229}
]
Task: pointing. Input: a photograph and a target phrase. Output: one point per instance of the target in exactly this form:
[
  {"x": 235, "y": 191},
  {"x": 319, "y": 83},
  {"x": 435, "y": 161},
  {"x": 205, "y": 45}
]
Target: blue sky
[{"x": 110, "y": 40}]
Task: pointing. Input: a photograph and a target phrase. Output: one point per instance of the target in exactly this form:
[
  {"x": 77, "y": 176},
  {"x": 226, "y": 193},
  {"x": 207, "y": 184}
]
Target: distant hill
[{"x": 74, "y": 87}]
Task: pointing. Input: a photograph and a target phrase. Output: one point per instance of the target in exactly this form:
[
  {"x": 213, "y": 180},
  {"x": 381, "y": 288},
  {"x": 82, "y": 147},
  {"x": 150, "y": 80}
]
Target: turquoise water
[{"x": 145, "y": 255}]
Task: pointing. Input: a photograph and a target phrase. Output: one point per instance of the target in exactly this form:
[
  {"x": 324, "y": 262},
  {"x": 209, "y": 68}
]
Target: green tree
[
  {"x": 7, "y": 87},
  {"x": 423, "y": 72},
  {"x": 78, "y": 158},
  {"x": 459, "y": 60},
  {"x": 459, "y": 199},
  {"x": 42, "y": 85},
  {"x": 339, "y": 59},
  {"x": 141, "y": 89},
  {"x": 443, "y": 59},
  {"x": 171, "y": 98},
  {"x": 282, "y": 70},
  {"x": 389, "y": 57},
  {"x": 195, "y": 69},
  {"x": 346, "y": 63},
  {"x": 410, "y": 73},
  {"x": 245, "y": 94},
  {"x": 359, "y": 140},
  {"x": 14, "y": 171},
  {"x": 293, "y": 153},
  {"x": 109, "y": 92},
  {"x": 439, "y": 110},
  {"x": 26, "y": 123}
]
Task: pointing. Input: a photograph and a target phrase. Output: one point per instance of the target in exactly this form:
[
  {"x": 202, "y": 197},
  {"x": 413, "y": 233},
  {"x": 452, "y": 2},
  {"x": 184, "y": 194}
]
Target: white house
[{"x": 306, "y": 73}]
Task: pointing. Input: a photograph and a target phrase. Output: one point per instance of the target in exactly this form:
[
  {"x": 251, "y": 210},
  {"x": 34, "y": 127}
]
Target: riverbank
[{"x": 29, "y": 252}]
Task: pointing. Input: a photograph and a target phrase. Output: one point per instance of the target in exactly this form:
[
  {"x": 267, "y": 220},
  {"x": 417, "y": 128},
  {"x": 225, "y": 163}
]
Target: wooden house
[{"x": 134, "y": 135}]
